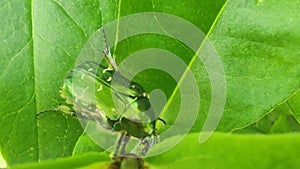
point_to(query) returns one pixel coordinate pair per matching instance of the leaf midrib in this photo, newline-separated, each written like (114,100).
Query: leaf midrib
(192,60)
(34,76)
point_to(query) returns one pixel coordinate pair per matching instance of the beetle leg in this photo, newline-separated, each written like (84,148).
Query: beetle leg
(62,108)
(45,111)
(124,143)
(147,143)
(162,120)
(119,144)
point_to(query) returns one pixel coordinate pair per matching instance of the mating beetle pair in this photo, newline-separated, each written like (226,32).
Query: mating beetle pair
(101,94)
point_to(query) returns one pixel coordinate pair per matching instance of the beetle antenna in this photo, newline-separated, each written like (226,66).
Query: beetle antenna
(47,110)
(107,53)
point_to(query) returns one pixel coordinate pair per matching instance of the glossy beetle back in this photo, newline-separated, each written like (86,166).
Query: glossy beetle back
(123,105)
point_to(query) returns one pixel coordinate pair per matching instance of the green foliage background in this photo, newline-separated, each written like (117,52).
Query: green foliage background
(257,40)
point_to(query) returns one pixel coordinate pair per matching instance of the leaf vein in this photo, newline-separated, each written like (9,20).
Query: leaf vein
(69,16)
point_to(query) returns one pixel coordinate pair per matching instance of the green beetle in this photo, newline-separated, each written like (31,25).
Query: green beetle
(101,94)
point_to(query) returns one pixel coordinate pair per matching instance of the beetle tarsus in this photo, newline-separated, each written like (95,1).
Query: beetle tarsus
(124,143)
(162,120)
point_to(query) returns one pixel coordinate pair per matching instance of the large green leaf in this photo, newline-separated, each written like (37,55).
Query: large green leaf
(257,42)
(18,99)
(81,161)
(40,41)
(220,152)
(232,151)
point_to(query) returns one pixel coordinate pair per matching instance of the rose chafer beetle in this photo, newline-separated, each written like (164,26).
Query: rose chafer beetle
(94,92)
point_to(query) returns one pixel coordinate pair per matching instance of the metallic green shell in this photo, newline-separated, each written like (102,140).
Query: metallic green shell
(121,106)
